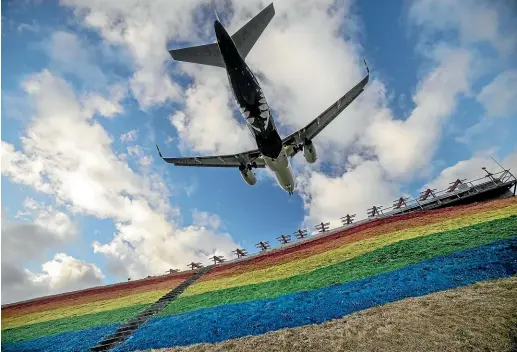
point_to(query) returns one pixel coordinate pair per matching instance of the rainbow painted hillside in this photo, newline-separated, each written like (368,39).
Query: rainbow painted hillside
(432,279)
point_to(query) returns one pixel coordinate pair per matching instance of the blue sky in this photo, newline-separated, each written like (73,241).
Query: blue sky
(79,75)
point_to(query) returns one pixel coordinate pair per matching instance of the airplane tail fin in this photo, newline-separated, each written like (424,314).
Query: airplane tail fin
(215,12)
(245,38)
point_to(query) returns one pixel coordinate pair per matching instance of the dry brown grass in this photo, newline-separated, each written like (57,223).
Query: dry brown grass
(480,317)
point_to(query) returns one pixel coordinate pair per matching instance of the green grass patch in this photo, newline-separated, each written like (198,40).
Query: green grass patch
(32,331)
(382,260)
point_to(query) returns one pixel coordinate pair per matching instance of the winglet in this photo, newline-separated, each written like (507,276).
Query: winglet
(367,69)
(159,153)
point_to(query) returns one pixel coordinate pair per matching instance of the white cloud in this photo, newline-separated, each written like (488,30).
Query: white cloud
(143,159)
(29,27)
(67,154)
(129,136)
(107,107)
(144,30)
(64,273)
(61,274)
(330,198)
(207,124)
(72,55)
(43,230)
(404,146)
(49,218)
(472,21)
(203,218)
(499,96)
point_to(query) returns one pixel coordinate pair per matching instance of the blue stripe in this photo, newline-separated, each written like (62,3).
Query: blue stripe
(226,322)
(73,341)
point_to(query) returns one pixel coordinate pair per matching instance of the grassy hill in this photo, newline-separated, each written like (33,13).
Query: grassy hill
(342,291)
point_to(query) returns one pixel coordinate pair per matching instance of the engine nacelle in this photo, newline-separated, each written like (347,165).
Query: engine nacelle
(309,152)
(248,175)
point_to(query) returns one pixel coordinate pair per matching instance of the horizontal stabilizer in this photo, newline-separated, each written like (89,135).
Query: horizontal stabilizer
(246,37)
(207,54)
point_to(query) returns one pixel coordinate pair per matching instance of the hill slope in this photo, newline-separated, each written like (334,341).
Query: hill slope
(328,278)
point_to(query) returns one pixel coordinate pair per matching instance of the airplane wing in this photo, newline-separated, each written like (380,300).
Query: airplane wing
(319,123)
(232,160)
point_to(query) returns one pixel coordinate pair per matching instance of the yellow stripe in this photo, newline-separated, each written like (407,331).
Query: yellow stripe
(83,309)
(346,252)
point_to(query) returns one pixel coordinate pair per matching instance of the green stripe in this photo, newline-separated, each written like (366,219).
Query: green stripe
(382,260)
(46,328)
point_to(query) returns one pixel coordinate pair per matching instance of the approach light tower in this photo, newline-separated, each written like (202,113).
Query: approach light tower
(263,245)
(284,239)
(300,233)
(194,265)
(348,219)
(217,259)
(240,252)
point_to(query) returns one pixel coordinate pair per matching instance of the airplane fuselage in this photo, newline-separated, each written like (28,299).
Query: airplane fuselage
(255,110)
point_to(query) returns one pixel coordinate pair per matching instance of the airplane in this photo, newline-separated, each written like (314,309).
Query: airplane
(272,151)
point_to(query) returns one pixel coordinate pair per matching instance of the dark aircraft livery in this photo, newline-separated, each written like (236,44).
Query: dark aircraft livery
(272,151)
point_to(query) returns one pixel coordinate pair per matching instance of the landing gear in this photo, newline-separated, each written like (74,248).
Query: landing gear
(243,167)
(299,147)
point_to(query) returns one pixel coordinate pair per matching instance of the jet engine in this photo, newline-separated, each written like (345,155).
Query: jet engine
(248,175)
(309,152)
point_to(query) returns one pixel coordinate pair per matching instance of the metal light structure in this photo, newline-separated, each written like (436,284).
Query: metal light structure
(428,192)
(348,219)
(263,245)
(398,203)
(455,184)
(194,265)
(170,271)
(489,174)
(284,239)
(323,226)
(374,211)
(217,259)
(300,233)
(240,252)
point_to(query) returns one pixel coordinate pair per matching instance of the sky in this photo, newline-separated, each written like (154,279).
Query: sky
(89,89)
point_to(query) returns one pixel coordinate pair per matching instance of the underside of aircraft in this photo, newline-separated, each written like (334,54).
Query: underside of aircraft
(272,151)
